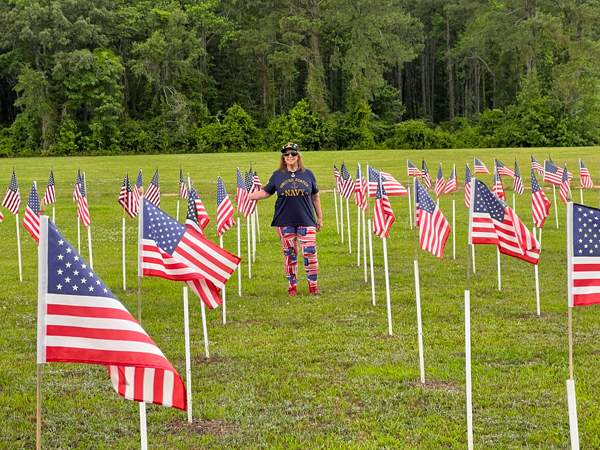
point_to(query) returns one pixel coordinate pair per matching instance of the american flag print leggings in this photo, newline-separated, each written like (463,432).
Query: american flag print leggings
(290,237)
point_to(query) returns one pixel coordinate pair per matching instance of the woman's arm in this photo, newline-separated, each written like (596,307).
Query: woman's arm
(259,195)
(316,200)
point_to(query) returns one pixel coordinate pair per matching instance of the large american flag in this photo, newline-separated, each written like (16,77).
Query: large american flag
(31,219)
(540,205)
(413,171)
(360,190)
(196,217)
(346,182)
(81,321)
(50,194)
(518,181)
(390,184)
(498,189)
(452,184)
(584,176)
(128,198)
(12,199)
(241,197)
(503,170)
(153,191)
(224,209)
(583,254)
(426,176)
(535,165)
(182,187)
(565,186)
(467,186)
(433,226)
(383,216)
(173,251)
(493,222)
(439,182)
(479,167)
(83,211)
(553,174)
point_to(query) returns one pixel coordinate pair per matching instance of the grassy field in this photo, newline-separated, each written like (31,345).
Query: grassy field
(308,372)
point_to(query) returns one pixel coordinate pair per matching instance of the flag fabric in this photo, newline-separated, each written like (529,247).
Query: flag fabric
(518,181)
(360,190)
(12,199)
(498,189)
(153,191)
(196,217)
(50,194)
(426,176)
(128,199)
(390,184)
(383,216)
(173,251)
(83,211)
(565,186)
(336,175)
(224,209)
(554,174)
(584,176)
(503,170)
(433,226)
(256,184)
(346,182)
(241,197)
(540,205)
(77,189)
(139,183)
(439,182)
(183,193)
(451,185)
(81,321)
(583,254)
(493,222)
(479,167)
(467,187)
(535,165)
(413,170)
(31,218)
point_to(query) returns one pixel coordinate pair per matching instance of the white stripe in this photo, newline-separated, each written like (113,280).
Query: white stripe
(103,344)
(166,270)
(148,387)
(168,384)
(85,300)
(114,377)
(586,275)
(211,252)
(94,323)
(129,382)
(586,260)
(586,290)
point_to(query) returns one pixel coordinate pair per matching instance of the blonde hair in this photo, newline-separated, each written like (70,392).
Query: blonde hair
(283,165)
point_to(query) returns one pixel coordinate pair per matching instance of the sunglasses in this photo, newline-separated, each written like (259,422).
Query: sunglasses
(290,154)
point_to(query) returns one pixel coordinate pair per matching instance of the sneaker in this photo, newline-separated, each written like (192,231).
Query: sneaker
(293,290)
(314,291)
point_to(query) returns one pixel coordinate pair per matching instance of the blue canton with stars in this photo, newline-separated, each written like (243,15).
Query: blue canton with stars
(192,211)
(535,187)
(424,201)
(467,175)
(68,272)
(586,231)
(488,202)
(34,200)
(162,228)
(221,193)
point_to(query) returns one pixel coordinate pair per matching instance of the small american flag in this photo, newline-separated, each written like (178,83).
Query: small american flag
(413,171)
(12,199)
(535,165)
(439,182)
(584,176)
(583,254)
(554,174)
(256,184)
(153,191)
(77,188)
(540,205)
(50,194)
(390,184)
(498,188)
(518,182)
(336,175)
(426,176)
(31,219)
(346,182)
(565,186)
(503,170)
(433,226)
(467,187)
(81,321)
(224,209)
(139,183)
(241,197)
(480,167)
(249,182)
(83,211)
(197,216)
(383,216)
(493,222)
(128,199)
(360,190)
(451,185)
(182,187)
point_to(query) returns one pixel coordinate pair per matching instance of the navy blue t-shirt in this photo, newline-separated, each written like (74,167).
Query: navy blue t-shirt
(294,205)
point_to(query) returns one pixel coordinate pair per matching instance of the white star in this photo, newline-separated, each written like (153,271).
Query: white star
(83,280)
(59,271)
(105,290)
(83,266)
(98,282)
(75,287)
(61,242)
(67,280)
(76,258)
(91,274)
(68,265)
(60,257)
(91,288)
(76,272)
(69,250)
(59,286)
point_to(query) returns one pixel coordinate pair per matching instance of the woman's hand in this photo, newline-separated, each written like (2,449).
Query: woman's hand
(319,226)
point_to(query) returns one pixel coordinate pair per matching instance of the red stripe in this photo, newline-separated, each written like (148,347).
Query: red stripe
(122,380)
(98,333)
(586,299)
(586,267)
(159,385)
(89,311)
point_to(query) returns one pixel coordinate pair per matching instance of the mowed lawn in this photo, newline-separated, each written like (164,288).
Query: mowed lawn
(312,372)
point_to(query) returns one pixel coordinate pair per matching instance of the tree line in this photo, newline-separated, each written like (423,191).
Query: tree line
(90,77)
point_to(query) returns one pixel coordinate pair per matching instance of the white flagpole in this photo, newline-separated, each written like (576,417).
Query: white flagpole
(143,427)
(53,220)
(537,283)
(257,222)
(540,236)
(581,194)
(387,286)
(124,276)
(177,216)
(337,220)
(453,227)
(204,329)
(555,205)
(78,236)
(89,230)
(19,248)
(364,238)
(342,218)
(358,237)
(188,359)
(239,254)
(223,289)
(473,255)
(410,208)
(253,222)
(574,431)
(418,296)
(468,369)
(514,209)
(249,248)
(499,275)
(348,220)
(573,426)
(371,260)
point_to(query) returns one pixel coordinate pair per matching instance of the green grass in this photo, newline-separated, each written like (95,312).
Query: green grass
(306,372)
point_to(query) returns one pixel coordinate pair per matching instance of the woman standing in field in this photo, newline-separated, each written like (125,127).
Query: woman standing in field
(294,218)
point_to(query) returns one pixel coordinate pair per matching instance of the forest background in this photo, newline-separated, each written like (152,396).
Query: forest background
(118,77)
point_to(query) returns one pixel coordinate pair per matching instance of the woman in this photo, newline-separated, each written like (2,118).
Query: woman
(297,196)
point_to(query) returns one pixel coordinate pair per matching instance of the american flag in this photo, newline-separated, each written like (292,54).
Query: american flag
(346,182)
(182,187)
(518,182)
(553,174)
(433,226)
(383,216)
(503,170)
(128,199)
(535,165)
(336,175)
(50,194)
(493,222)
(241,197)
(31,219)
(498,188)
(439,182)
(413,171)
(480,167)
(540,205)
(153,191)
(451,185)
(139,183)
(584,176)
(81,321)
(390,184)
(360,190)
(426,176)
(224,209)
(83,211)
(583,254)
(249,182)
(173,251)
(197,216)
(12,199)
(565,186)
(467,187)
(77,188)
(256,184)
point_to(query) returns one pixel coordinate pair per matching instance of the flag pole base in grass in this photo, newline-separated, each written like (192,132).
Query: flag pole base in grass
(188,358)
(143,427)
(38,444)
(387,286)
(349,233)
(342,219)
(204,330)
(468,370)
(371,260)
(249,248)
(223,297)
(358,238)
(253,222)
(573,426)
(537,282)
(19,248)
(419,322)
(239,254)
